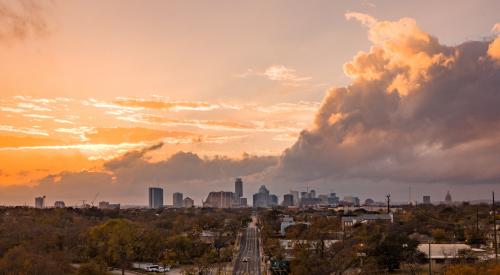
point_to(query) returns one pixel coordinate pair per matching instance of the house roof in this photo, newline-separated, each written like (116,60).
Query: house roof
(367,217)
(289,244)
(443,251)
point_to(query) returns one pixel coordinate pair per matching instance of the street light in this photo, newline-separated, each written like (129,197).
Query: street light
(361,254)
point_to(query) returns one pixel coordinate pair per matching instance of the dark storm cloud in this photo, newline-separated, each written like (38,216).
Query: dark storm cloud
(126,178)
(417,111)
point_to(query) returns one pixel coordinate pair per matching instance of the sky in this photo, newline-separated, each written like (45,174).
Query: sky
(355,97)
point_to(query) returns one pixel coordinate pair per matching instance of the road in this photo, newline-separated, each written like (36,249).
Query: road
(248,260)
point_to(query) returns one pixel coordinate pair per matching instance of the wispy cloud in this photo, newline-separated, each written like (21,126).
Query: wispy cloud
(369,4)
(278,73)
(34,107)
(163,104)
(11,110)
(496,28)
(282,73)
(203,124)
(63,121)
(38,116)
(23,130)
(364,18)
(286,107)
(78,131)
(117,135)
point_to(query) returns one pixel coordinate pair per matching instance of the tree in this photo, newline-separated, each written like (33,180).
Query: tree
(473,269)
(19,261)
(93,268)
(439,235)
(393,249)
(183,250)
(314,257)
(204,262)
(114,241)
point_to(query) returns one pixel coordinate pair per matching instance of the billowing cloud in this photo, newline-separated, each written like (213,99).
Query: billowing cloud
(494,49)
(496,28)
(127,178)
(183,166)
(416,112)
(399,48)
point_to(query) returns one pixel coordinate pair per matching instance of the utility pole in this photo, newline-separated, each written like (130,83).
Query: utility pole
(430,262)
(388,196)
(409,195)
(477,220)
(495,227)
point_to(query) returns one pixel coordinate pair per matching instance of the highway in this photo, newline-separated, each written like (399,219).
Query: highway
(248,260)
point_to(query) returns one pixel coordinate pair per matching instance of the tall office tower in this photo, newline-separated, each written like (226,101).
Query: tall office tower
(155,197)
(295,195)
(427,199)
(178,202)
(333,200)
(312,194)
(40,202)
(243,202)
(238,188)
(273,200)
(288,200)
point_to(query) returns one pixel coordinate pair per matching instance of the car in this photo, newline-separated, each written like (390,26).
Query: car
(153,268)
(164,269)
(245,259)
(157,268)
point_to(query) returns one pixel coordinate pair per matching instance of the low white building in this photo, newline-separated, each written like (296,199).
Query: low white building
(349,221)
(289,245)
(443,253)
(286,221)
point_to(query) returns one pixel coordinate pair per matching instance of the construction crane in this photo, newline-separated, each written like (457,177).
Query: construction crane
(95,197)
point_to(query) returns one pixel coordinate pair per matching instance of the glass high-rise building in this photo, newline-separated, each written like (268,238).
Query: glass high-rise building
(178,200)
(40,202)
(155,197)
(238,188)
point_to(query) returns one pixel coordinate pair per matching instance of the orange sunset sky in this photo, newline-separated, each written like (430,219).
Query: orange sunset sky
(350,96)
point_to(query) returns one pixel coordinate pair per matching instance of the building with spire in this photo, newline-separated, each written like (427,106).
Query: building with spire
(448,199)
(264,199)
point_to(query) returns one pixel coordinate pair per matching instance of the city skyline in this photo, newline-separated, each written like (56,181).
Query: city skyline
(358,98)
(157,198)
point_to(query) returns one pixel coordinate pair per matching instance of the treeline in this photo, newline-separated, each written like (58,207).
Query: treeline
(90,241)
(324,247)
